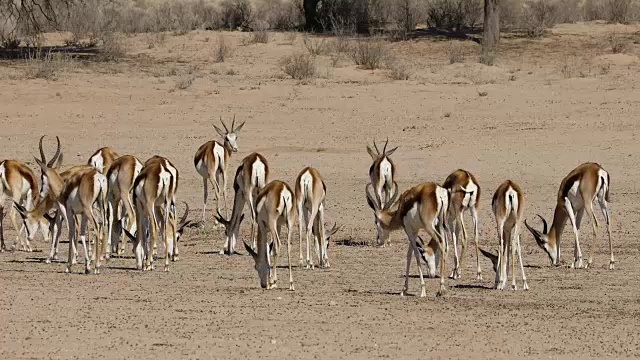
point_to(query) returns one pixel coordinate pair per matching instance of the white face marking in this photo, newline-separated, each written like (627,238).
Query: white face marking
(232,139)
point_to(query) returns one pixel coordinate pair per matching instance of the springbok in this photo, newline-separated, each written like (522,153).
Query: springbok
(310,199)
(77,196)
(382,173)
(212,161)
(508,207)
(102,159)
(274,208)
(577,192)
(182,224)
(151,190)
(121,175)
(422,207)
(18,183)
(172,216)
(251,176)
(465,195)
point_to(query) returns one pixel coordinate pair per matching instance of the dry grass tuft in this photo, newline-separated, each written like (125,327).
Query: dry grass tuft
(114,48)
(46,65)
(455,52)
(222,49)
(368,53)
(299,66)
(315,46)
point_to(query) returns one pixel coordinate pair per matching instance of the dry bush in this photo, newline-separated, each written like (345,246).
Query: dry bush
(568,11)
(406,14)
(455,52)
(619,45)
(259,37)
(620,11)
(46,65)
(291,37)
(454,14)
(510,14)
(222,49)
(184,80)
(155,39)
(236,13)
(279,14)
(315,45)
(539,15)
(299,66)
(368,53)
(113,48)
(398,69)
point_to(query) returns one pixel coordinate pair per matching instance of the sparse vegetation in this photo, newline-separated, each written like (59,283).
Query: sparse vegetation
(619,44)
(368,53)
(184,80)
(455,52)
(46,65)
(315,46)
(299,66)
(222,50)
(398,69)
(538,15)
(113,48)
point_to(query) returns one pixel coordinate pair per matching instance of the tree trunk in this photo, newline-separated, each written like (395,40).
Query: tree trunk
(311,15)
(491,31)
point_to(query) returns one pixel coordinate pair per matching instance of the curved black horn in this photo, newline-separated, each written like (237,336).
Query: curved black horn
(544,224)
(233,123)
(186,213)
(376,146)
(375,204)
(384,150)
(55,156)
(42,157)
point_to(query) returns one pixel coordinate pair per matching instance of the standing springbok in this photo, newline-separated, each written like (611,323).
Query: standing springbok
(172,216)
(102,159)
(18,183)
(151,190)
(121,175)
(212,161)
(274,208)
(577,192)
(251,176)
(310,200)
(465,195)
(422,207)
(508,208)
(382,173)
(78,195)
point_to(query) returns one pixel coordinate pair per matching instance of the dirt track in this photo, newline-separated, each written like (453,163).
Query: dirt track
(533,130)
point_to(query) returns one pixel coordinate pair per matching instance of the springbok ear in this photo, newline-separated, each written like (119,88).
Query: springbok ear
(239,127)
(249,250)
(59,161)
(49,218)
(540,240)
(372,153)
(388,153)
(220,131)
(492,257)
(43,166)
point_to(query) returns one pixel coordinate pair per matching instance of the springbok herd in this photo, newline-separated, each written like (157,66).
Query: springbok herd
(124,198)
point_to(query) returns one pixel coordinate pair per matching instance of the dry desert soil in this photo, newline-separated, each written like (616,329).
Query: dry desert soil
(545,107)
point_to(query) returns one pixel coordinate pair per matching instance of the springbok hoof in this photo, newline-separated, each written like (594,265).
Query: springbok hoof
(479,277)
(612,265)
(166,268)
(514,287)
(67,270)
(423,293)
(525,286)
(176,258)
(47,261)
(87,271)
(291,287)
(403,293)
(441,293)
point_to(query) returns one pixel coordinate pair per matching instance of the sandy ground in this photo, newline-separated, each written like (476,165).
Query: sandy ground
(550,105)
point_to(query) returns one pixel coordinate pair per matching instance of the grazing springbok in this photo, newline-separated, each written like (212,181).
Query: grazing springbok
(310,199)
(382,173)
(422,207)
(251,176)
(182,224)
(102,159)
(121,175)
(212,160)
(508,208)
(77,196)
(274,208)
(465,195)
(151,190)
(577,192)
(18,183)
